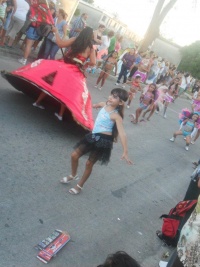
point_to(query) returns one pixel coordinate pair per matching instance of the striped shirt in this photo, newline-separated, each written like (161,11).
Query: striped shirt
(79,23)
(3,10)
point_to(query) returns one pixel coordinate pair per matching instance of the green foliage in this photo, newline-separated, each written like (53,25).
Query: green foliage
(89,1)
(191,59)
(77,12)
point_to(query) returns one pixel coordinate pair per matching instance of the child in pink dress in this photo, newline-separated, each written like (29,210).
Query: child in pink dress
(134,88)
(147,98)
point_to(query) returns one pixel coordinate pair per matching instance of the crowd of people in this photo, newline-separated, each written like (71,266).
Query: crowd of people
(158,82)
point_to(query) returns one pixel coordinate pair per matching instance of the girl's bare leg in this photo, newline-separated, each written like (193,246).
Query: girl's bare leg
(40,98)
(74,163)
(27,51)
(145,112)
(88,170)
(100,77)
(62,110)
(3,37)
(188,140)
(104,79)
(151,113)
(137,115)
(130,98)
(165,109)
(197,135)
(177,133)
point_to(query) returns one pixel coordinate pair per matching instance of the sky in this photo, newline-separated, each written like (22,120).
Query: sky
(181,25)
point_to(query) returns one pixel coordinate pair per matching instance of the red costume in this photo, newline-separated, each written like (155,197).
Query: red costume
(65,82)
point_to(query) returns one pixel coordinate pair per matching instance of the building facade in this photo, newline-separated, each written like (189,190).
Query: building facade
(98,16)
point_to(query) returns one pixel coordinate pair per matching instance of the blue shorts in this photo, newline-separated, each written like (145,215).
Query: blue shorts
(32,34)
(143,106)
(186,133)
(7,21)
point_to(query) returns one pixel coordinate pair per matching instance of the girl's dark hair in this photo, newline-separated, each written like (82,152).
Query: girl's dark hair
(110,54)
(195,113)
(176,86)
(102,26)
(123,96)
(63,13)
(110,33)
(154,91)
(120,259)
(83,41)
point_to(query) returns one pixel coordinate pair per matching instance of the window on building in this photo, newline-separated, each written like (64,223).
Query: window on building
(104,18)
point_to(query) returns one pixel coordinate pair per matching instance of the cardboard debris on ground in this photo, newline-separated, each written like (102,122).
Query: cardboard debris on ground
(50,246)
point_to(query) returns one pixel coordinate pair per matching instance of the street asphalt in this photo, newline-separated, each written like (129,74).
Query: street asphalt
(120,205)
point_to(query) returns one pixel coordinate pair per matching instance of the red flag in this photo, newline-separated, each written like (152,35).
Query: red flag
(40,12)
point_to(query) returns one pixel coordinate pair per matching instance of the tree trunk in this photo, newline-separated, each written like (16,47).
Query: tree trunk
(154,27)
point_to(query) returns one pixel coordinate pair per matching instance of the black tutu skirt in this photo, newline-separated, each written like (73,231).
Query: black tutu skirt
(98,145)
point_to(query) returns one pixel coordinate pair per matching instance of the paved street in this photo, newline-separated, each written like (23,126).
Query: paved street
(120,205)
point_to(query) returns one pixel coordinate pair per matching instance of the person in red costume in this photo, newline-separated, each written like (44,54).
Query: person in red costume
(63,80)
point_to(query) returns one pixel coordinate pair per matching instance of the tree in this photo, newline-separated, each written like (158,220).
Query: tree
(153,30)
(89,1)
(190,61)
(77,12)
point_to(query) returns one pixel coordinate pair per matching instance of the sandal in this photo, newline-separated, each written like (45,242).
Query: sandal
(74,191)
(66,180)
(134,122)
(132,116)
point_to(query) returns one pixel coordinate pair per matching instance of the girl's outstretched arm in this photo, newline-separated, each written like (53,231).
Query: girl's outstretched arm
(122,136)
(99,105)
(62,43)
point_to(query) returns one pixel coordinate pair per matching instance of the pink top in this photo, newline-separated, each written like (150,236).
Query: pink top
(117,46)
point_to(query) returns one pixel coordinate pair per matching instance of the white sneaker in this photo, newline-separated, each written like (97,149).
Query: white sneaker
(165,116)
(60,118)
(116,83)
(100,88)
(184,138)
(96,86)
(156,112)
(38,106)
(187,148)
(192,142)
(172,139)
(128,106)
(22,61)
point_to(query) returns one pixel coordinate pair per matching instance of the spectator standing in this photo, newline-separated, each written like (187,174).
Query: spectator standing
(98,34)
(118,43)
(10,11)
(51,48)
(196,87)
(161,71)
(153,73)
(3,7)
(103,48)
(32,34)
(113,41)
(184,83)
(17,21)
(128,63)
(138,59)
(144,66)
(78,25)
